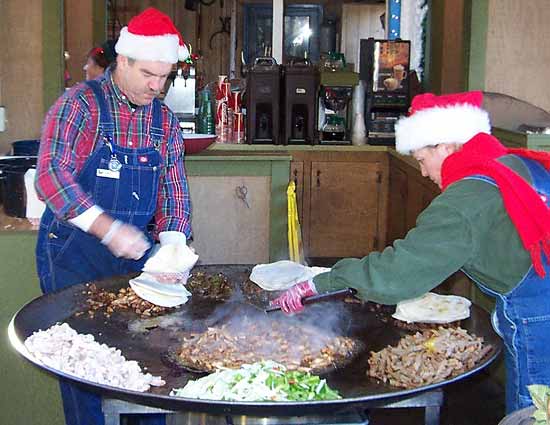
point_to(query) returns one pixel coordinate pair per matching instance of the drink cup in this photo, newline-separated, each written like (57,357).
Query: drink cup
(238,128)
(219,87)
(399,72)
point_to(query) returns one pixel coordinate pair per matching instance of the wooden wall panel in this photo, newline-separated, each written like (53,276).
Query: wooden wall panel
(447,58)
(21,70)
(452,73)
(518,57)
(78,37)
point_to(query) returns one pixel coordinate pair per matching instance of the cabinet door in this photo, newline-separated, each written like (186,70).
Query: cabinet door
(297,174)
(420,193)
(398,193)
(231,218)
(345,208)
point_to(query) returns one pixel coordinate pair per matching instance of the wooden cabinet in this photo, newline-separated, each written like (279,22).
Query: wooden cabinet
(297,174)
(239,207)
(344,209)
(343,202)
(409,195)
(223,207)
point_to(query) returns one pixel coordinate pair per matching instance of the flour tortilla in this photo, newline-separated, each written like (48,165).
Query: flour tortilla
(282,274)
(163,294)
(433,308)
(158,298)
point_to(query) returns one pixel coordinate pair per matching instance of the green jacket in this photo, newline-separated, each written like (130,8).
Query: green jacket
(464,227)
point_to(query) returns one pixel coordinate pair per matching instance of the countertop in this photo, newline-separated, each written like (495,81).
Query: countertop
(225,151)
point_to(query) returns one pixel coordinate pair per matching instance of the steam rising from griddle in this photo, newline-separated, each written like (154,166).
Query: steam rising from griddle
(240,333)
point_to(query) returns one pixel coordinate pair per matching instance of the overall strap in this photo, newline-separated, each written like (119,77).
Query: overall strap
(540,176)
(482,178)
(157,133)
(106,124)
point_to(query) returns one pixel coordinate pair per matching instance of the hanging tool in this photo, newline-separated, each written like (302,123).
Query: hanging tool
(226,29)
(241,192)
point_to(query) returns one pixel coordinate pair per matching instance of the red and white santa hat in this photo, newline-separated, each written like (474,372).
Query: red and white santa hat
(152,36)
(452,118)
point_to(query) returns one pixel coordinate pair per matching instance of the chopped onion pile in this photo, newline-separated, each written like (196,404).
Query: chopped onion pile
(261,381)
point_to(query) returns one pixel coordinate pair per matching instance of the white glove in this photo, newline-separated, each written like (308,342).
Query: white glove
(173,261)
(125,240)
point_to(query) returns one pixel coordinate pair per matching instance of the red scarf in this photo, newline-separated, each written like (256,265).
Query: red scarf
(524,205)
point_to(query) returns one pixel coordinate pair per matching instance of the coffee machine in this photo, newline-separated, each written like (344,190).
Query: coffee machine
(263,102)
(384,65)
(334,106)
(180,97)
(300,85)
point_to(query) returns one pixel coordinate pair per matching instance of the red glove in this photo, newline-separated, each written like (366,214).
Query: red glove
(291,300)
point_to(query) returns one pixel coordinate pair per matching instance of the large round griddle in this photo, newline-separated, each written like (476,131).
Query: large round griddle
(146,340)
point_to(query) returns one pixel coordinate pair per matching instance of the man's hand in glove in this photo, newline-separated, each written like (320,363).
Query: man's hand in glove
(291,300)
(125,240)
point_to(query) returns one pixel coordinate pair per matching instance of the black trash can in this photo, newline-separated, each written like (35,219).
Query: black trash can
(25,147)
(12,181)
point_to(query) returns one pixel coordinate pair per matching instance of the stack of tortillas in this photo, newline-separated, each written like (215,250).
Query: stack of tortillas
(433,308)
(171,258)
(282,274)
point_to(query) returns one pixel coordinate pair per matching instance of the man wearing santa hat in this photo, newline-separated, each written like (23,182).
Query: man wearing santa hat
(491,221)
(111,162)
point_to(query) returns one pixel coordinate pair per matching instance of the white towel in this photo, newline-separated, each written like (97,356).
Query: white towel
(35,207)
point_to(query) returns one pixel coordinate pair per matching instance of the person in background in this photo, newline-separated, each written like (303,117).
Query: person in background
(111,161)
(96,63)
(492,221)
(98,59)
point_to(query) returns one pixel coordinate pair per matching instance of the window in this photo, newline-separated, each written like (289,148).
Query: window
(300,36)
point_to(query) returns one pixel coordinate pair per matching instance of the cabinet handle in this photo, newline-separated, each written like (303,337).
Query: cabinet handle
(318,178)
(296,177)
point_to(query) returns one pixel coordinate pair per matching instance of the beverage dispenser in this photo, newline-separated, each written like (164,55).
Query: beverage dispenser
(334,105)
(263,102)
(180,97)
(300,85)
(384,66)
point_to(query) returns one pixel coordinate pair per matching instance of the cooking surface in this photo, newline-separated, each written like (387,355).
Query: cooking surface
(147,341)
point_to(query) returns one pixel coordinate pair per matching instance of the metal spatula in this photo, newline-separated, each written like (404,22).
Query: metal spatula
(327,296)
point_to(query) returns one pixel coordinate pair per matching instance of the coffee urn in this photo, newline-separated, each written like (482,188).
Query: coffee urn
(263,102)
(300,87)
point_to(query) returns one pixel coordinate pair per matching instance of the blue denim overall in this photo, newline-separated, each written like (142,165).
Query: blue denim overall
(65,255)
(522,317)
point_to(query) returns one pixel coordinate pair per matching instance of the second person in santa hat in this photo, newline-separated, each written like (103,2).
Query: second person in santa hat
(491,221)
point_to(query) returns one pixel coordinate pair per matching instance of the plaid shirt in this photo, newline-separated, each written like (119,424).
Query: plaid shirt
(70,133)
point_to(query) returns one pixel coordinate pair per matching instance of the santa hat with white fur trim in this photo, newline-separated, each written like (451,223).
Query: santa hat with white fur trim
(152,36)
(452,118)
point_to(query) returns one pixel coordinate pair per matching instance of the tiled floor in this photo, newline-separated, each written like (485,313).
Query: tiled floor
(474,401)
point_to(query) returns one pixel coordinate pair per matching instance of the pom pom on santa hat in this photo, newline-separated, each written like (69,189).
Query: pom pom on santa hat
(452,118)
(152,36)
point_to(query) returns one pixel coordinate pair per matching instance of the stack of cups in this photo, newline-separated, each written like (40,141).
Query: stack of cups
(229,118)
(236,117)
(223,129)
